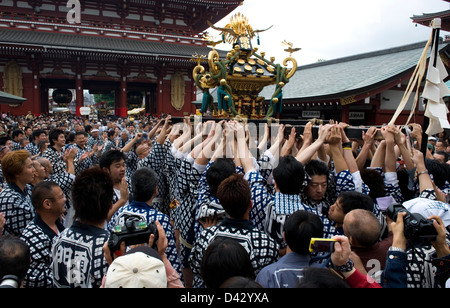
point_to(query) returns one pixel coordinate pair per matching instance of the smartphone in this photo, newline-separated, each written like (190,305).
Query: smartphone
(321,244)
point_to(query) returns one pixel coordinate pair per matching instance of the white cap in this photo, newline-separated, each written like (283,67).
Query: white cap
(137,270)
(427,207)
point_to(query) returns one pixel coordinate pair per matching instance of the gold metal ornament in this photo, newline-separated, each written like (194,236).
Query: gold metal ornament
(243,74)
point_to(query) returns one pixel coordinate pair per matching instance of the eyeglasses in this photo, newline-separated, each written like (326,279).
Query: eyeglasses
(57,198)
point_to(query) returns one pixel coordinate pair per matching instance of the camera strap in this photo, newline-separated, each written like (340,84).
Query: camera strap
(322,260)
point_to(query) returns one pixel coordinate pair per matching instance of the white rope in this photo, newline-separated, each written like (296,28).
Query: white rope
(415,81)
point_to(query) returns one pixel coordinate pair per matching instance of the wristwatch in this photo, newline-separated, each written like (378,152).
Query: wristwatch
(347,267)
(396,249)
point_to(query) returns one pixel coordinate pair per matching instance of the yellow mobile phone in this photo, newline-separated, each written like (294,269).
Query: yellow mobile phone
(321,244)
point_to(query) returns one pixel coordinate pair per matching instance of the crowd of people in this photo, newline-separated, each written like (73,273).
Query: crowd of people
(221,205)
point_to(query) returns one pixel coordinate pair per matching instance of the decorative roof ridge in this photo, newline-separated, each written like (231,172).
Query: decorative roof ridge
(426,16)
(101,29)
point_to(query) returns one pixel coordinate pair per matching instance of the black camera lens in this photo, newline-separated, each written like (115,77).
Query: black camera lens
(416,227)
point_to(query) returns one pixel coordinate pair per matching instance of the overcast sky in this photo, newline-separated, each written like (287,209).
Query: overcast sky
(330,29)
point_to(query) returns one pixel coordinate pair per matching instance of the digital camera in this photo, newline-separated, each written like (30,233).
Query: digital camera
(134,231)
(417,227)
(322,245)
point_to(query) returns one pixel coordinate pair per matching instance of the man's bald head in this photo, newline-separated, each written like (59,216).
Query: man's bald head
(362,227)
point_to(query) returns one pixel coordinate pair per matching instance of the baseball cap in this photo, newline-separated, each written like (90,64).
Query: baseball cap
(141,267)
(94,130)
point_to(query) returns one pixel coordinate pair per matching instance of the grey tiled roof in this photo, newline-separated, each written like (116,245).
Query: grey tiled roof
(86,43)
(6,98)
(350,75)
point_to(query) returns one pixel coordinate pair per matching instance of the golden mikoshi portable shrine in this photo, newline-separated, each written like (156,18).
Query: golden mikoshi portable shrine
(242,75)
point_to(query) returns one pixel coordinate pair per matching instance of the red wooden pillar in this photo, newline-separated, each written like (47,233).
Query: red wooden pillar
(193,98)
(160,97)
(161,72)
(78,66)
(35,65)
(79,96)
(36,94)
(345,113)
(44,105)
(121,109)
